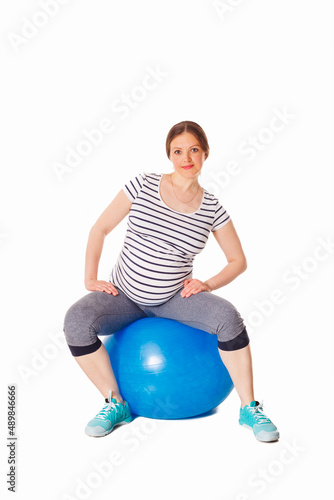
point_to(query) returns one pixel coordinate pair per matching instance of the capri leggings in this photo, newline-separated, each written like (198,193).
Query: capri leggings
(101,313)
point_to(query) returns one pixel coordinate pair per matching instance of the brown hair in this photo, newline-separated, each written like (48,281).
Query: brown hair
(191,128)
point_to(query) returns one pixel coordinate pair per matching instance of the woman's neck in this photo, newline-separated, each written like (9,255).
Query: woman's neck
(183,184)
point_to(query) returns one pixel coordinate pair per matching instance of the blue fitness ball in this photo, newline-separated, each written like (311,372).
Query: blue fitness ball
(168,370)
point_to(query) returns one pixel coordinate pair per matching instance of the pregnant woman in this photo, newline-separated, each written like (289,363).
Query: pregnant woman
(170,217)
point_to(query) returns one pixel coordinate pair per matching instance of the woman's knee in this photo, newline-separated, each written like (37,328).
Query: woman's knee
(229,318)
(238,342)
(70,319)
(231,332)
(77,322)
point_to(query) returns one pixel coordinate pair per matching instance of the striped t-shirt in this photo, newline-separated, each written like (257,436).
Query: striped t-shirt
(160,243)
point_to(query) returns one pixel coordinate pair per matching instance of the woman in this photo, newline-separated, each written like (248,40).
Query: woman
(170,219)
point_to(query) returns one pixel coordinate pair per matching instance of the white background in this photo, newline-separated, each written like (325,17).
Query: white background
(228,69)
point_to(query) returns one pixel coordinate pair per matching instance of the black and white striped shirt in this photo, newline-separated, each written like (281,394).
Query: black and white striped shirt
(160,243)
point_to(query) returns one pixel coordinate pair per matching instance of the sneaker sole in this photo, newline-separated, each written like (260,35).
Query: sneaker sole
(126,421)
(269,440)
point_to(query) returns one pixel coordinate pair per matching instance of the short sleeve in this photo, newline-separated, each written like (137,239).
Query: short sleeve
(133,186)
(221,217)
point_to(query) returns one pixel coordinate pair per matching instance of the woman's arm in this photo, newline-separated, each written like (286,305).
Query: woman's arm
(229,242)
(108,220)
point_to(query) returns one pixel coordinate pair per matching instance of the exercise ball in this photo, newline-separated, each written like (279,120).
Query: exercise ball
(168,370)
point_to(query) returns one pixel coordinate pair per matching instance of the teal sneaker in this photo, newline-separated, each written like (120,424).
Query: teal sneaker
(111,415)
(252,418)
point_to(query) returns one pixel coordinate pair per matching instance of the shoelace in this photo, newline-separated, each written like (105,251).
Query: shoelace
(260,418)
(106,409)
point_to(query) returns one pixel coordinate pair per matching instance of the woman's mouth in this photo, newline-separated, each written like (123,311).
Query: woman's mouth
(186,167)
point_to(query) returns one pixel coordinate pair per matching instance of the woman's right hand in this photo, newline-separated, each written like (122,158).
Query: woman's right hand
(101,286)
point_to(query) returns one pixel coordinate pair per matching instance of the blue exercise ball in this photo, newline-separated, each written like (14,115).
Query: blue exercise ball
(168,370)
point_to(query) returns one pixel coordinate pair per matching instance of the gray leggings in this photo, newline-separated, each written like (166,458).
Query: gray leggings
(101,313)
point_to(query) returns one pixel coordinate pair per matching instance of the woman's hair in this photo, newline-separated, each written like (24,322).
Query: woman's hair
(191,128)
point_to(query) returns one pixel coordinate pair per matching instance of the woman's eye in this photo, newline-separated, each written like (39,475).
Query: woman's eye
(177,151)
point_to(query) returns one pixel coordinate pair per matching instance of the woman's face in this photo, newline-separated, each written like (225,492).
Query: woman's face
(187,155)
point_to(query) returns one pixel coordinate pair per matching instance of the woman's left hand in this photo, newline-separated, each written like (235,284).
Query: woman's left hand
(191,287)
